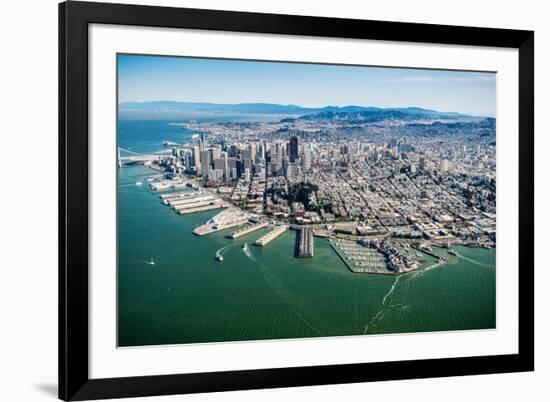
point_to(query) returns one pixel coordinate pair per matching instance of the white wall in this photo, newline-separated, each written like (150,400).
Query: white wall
(28,213)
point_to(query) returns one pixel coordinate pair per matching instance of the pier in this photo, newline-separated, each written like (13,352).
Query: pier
(304,243)
(227,219)
(181,195)
(193,205)
(272,235)
(247,229)
(177,203)
(201,209)
(168,184)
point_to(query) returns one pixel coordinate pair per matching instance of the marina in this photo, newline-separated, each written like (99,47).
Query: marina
(360,259)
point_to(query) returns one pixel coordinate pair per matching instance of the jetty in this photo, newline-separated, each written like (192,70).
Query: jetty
(227,219)
(247,229)
(201,209)
(182,203)
(168,184)
(180,195)
(304,243)
(272,235)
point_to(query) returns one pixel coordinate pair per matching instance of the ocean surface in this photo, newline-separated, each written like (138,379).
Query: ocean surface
(265,293)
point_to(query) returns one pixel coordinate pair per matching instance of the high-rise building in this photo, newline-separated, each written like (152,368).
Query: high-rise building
(306,161)
(202,142)
(443,166)
(253,152)
(196,158)
(293,149)
(205,162)
(422,163)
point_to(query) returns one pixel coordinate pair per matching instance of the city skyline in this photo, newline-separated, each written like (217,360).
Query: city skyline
(162,78)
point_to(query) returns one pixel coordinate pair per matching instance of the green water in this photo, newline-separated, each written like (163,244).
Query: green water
(189,297)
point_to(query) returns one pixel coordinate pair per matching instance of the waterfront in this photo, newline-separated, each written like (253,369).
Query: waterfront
(264,292)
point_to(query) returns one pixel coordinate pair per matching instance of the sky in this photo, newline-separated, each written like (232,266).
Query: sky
(159,78)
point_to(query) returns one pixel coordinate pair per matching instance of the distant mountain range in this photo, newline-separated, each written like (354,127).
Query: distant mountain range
(251,108)
(344,114)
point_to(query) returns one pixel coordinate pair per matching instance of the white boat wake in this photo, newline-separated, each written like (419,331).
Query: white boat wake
(481,264)
(248,253)
(280,290)
(150,262)
(380,314)
(220,252)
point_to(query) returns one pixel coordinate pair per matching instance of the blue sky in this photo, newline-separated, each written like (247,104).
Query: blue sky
(154,78)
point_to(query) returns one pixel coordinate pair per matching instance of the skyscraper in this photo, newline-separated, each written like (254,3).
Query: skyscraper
(205,163)
(293,149)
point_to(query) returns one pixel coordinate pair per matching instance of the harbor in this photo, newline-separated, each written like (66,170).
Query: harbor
(358,258)
(250,290)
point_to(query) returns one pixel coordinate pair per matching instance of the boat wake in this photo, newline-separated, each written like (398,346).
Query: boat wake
(380,314)
(279,288)
(248,253)
(220,252)
(422,271)
(481,264)
(150,262)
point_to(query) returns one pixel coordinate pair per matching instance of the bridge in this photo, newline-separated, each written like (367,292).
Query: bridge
(133,157)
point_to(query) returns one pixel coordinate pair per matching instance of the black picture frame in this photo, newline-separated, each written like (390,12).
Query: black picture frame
(74,18)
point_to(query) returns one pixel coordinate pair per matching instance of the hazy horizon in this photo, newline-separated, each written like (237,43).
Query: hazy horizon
(220,81)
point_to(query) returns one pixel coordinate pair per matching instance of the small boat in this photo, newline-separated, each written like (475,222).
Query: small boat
(452,252)
(219,257)
(139,183)
(245,246)
(152,262)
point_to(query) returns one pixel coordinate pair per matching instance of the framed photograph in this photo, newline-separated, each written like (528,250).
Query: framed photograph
(257,201)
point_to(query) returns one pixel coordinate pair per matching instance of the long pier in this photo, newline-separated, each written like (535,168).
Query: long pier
(224,220)
(269,237)
(247,229)
(182,203)
(201,209)
(304,243)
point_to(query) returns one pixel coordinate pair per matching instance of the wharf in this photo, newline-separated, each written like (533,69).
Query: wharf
(247,229)
(304,243)
(201,209)
(429,253)
(272,235)
(178,203)
(196,204)
(227,219)
(168,185)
